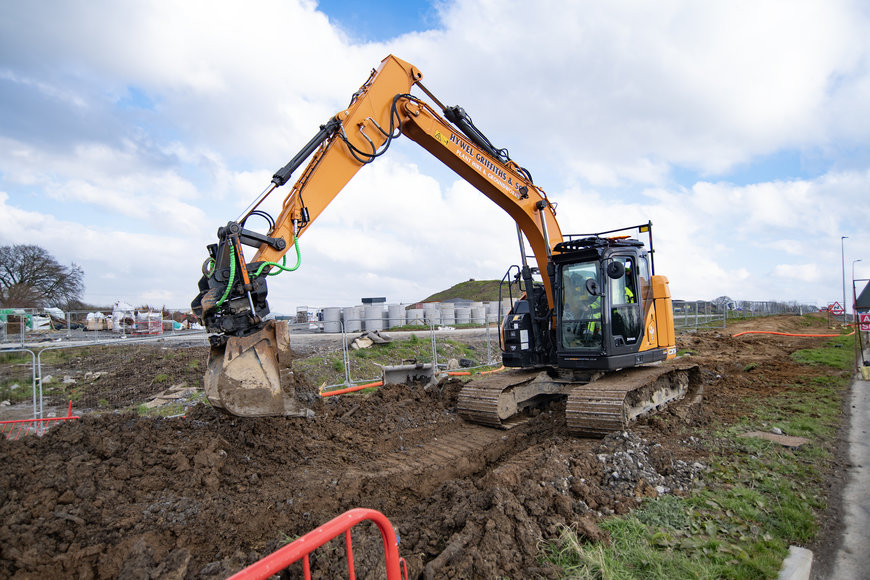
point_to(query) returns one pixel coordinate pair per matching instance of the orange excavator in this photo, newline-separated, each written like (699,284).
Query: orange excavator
(592,322)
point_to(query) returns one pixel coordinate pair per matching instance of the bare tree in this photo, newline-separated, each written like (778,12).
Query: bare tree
(30,277)
(724,303)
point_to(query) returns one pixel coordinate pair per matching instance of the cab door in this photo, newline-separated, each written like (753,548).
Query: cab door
(626,320)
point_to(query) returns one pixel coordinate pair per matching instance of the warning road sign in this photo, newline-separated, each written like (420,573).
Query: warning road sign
(864,318)
(836,308)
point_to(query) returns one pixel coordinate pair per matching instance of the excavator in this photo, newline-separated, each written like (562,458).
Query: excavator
(592,322)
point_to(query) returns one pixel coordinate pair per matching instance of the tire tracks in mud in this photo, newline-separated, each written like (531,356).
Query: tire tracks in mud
(467,451)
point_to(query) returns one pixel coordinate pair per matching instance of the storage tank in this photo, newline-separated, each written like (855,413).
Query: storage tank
(352,318)
(396,315)
(374,317)
(415,316)
(448,314)
(332,319)
(432,313)
(462,314)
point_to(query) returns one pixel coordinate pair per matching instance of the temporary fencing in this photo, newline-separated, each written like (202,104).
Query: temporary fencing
(427,352)
(22,427)
(22,325)
(55,376)
(300,549)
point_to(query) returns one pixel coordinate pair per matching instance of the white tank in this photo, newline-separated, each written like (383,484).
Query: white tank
(462,315)
(415,315)
(478,313)
(492,311)
(332,319)
(396,315)
(351,317)
(432,312)
(374,315)
(448,314)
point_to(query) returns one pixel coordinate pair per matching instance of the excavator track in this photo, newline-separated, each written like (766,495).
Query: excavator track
(598,404)
(612,402)
(497,399)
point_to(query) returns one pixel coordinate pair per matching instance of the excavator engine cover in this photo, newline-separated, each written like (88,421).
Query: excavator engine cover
(249,375)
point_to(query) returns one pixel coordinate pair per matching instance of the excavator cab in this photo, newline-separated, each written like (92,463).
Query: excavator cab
(608,309)
(602,300)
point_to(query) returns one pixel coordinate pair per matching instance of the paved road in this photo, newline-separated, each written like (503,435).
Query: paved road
(853,559)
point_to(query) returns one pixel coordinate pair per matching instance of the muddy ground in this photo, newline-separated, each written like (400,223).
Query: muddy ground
(113,495)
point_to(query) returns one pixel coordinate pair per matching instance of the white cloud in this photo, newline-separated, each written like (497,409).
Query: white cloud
(605,103)
(802,272)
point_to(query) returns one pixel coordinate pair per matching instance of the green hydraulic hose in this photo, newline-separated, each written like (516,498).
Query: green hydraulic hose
(232,276)
(282,267)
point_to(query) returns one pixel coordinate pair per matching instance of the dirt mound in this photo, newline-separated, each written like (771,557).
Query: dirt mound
(116,495)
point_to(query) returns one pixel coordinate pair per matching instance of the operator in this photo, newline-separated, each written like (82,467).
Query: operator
(580,305)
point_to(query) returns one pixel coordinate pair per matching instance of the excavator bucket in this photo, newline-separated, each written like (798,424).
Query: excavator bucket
(249,375)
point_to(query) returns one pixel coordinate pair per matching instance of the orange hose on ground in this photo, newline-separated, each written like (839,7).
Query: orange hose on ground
(501,368)
(458,373)
(789,334)
(352,389)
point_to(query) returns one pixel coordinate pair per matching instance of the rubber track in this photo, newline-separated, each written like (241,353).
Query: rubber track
(601,407)
(478,401)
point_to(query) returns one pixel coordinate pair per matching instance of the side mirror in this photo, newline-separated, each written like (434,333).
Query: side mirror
(592,287)
(615,270)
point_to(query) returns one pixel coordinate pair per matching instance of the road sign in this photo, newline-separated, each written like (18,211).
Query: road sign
(836,308)
(864,318)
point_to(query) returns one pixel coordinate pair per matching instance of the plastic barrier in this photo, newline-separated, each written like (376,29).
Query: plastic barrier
(23,427)
(301,548)
(790,334)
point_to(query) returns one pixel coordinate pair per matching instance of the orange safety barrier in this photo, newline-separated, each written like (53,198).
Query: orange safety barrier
(27,426)
(301,548)
(352,389)
(790,334)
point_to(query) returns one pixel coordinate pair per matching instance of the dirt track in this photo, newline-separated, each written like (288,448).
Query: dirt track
(115,495)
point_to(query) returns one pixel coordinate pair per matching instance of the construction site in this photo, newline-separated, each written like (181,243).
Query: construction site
(114,494)
(523,435)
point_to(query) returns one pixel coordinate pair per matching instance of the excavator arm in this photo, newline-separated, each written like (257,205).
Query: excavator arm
(244,375)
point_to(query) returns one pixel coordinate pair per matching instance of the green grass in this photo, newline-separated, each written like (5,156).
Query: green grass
(476,290)
(759,497)
(838,353)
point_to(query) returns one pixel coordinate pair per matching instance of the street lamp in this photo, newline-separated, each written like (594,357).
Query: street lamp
(854,297)
(853,269)
(843,258)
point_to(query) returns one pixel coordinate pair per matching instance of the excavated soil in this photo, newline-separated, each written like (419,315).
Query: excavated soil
(113,495)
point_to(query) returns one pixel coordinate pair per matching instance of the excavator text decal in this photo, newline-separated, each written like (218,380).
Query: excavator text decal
(482,165)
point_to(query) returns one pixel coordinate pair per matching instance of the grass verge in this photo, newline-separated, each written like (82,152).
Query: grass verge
(758,498)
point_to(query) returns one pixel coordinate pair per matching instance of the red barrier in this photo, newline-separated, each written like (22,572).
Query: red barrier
(301,548)
(27,426)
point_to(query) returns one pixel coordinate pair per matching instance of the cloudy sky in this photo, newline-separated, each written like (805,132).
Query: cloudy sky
(129,131)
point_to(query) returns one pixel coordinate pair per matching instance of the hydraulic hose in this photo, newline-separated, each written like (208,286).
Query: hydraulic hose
(232,276)
(283,267)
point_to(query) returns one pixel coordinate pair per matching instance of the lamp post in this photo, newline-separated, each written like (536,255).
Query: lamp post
(853,269)
(843,258)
